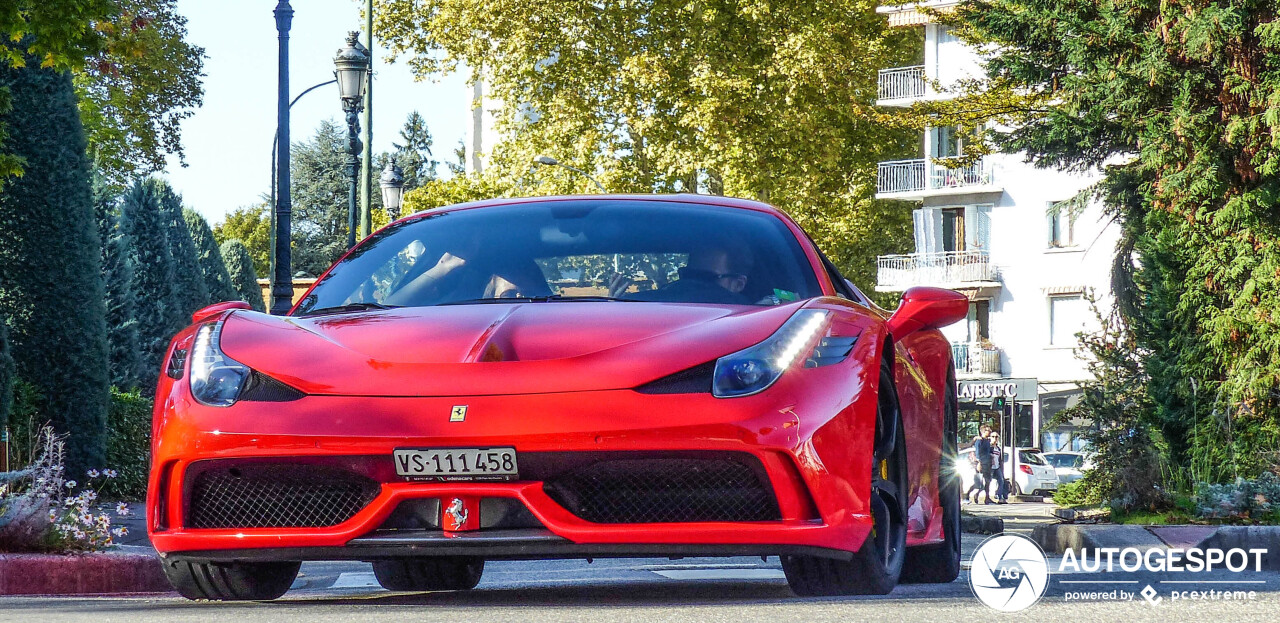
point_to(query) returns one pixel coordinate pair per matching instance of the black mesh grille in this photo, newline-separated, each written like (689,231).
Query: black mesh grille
(262,388)
(654,490)
(695,380)
(276,496)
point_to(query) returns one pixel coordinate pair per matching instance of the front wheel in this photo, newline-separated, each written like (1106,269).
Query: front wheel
(877,565)
(231,581)
(939,563)
(444,573)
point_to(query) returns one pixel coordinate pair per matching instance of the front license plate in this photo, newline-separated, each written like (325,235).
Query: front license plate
(445,464)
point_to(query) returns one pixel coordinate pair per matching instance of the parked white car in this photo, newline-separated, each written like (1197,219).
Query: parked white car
(1035,475)
(1069,465)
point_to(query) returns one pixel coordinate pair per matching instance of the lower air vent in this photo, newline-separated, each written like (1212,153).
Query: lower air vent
(275,495)
(732,487)
(262,388)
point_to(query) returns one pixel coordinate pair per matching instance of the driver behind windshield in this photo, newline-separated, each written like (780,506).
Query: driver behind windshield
(716,273)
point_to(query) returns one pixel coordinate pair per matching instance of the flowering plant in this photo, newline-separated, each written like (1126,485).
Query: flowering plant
(42,510)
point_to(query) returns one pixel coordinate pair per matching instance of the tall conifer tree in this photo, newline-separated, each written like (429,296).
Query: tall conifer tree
(209,257)
(50,259)
(153,280)
(240,267)
(117,279)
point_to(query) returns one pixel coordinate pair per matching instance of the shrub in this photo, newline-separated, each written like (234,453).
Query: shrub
(1245,500)
(128,438)
(128,445)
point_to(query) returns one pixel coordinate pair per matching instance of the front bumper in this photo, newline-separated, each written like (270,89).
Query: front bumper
(820,512)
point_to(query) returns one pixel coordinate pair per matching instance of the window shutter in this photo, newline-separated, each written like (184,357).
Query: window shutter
(978,227)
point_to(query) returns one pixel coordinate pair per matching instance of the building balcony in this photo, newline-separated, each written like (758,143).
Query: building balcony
(975,360)
(901,86)
(958,270)
(914,180)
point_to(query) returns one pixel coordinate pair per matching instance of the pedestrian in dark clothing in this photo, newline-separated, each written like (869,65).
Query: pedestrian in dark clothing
(971,495)
(983,449)
(997,463)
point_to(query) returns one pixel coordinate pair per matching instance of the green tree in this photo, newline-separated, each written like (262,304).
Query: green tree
(1176,102)
(251,225)
(117,279)
(153,284)
(136,92)
(50,257)
(413,152)
(189,292)
(212,268)
(136,76)
(240,267)
(771,101)
(320,187)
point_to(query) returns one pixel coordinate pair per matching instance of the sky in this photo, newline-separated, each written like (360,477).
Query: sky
(228,140)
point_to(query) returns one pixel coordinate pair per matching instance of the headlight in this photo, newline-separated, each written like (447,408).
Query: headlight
(753,370)
(216,379)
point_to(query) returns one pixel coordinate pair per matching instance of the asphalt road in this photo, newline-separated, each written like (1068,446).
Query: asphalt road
(703,589)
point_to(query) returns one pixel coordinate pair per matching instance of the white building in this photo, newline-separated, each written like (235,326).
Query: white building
(986,230)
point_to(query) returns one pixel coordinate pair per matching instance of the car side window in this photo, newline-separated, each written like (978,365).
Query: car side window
(838,281)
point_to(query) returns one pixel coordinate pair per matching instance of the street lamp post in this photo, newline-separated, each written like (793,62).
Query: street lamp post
(392,182)
(351,67)
(282,276)
(552,162)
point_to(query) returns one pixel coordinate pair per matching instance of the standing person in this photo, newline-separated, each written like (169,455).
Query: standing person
(971,495)
(997,462)
(982,449)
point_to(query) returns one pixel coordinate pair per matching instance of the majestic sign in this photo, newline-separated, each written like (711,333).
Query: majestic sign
(986,389)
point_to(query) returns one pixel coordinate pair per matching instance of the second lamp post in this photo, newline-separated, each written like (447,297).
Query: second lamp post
(351,68)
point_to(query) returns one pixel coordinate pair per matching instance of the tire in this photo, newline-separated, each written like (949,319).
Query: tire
(877,565)
(443,573)
(939,563)
(230,581)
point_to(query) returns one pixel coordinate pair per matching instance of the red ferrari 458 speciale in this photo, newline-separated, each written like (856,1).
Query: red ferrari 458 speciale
(564,377)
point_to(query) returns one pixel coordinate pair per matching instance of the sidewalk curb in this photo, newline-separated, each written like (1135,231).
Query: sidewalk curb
(78,574)
(1058,538)
(981,525)
(1246,538)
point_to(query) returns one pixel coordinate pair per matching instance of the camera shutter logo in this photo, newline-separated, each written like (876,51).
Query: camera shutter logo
(1009,572)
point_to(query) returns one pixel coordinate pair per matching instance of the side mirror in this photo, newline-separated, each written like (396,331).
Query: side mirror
(217,308)
(927,308)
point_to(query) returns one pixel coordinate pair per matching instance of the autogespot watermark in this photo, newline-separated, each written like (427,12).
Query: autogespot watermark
(1159,560)
(1010,572)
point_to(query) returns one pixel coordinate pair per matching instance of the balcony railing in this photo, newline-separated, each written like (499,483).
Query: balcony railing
(904,176)
(901,83)
(947,268)
(975,358)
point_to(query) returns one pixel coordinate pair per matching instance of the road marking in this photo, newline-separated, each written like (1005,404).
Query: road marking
(356,579)
(722,574)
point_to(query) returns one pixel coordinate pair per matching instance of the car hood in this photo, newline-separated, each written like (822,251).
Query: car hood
(461,350)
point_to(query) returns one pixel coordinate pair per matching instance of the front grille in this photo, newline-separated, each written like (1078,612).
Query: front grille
(276,495)
(728,487)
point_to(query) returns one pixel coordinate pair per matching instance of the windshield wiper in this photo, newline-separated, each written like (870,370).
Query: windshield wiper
(351,307)
(536,299)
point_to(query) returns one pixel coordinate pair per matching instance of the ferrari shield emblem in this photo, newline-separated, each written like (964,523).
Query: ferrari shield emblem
(459,413)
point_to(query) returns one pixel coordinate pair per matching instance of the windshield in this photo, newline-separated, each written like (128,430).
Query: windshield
(573,250)
(1030,456)
(1065,460)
